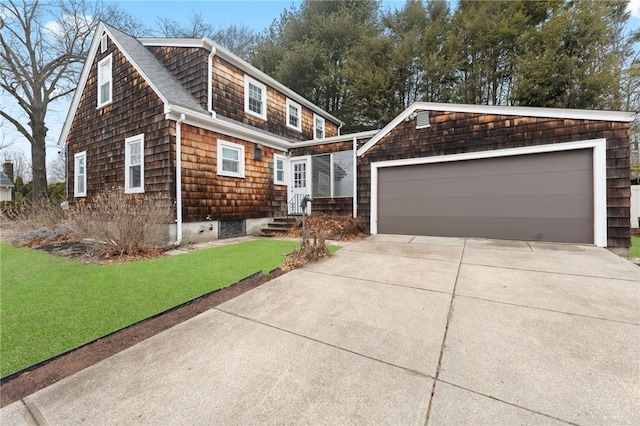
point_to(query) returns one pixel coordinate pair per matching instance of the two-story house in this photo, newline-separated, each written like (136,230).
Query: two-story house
(233,148)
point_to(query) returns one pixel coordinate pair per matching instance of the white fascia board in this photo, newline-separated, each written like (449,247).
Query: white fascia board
(599,176)
(86,68)
(574,114)
(333,139)
(243,65)
(85,74)
(226,128)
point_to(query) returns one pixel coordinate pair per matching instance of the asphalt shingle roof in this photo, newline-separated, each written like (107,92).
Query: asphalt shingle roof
(157,75)
(5,181)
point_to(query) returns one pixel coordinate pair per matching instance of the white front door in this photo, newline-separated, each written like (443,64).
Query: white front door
(299,185)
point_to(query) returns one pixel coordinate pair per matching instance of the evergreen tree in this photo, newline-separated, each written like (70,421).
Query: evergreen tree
(570,60)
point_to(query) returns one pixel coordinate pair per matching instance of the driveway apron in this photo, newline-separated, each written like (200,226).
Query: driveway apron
(391,330)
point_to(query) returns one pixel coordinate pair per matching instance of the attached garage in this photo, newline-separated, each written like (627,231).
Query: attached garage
(499,172)
(545,196)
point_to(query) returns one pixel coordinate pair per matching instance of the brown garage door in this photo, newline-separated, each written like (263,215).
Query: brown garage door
(547,197)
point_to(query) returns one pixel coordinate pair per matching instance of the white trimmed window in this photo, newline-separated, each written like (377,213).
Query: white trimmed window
(294,115)
(104,81)
(318,127)
(255,97)
(80,174)
(230,159)
(134,164)
(279,169)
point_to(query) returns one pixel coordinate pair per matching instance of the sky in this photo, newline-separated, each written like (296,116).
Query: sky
(255,14)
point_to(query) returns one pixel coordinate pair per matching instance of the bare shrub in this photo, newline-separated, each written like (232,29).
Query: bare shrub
(309,251)
(39,222)
(38,214)
(341,228)
(119,224)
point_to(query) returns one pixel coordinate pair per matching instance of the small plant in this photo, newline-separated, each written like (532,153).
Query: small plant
(119,224)
(334,227)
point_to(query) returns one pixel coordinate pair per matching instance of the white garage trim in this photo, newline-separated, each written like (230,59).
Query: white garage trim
(599,176)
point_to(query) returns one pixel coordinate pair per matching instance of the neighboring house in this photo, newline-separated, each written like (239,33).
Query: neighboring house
(6,182)
(249,148)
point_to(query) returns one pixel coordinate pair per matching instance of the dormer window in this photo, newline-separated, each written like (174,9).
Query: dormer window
(294,113)
(255,98)
(104,81)
(318,127)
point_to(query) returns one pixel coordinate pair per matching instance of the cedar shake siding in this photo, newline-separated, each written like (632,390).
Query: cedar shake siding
(206,194)
(101,132)
(463,132)
(228,101)
(189,66)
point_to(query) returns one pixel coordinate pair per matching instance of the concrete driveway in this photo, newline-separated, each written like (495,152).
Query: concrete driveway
(391,330)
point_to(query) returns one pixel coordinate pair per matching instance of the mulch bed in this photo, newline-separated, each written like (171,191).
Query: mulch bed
(14,388)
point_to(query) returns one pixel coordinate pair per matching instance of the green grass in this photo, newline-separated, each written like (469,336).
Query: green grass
(634,251)
(49,304)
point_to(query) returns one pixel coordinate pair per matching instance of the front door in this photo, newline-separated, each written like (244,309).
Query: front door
(298,189)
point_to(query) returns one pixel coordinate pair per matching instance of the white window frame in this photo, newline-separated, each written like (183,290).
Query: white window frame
(317,117)
(236,147)
(276,159)
(250,81)
(104,64)
(103,43)
(127,164)
(296,105)
(76,160)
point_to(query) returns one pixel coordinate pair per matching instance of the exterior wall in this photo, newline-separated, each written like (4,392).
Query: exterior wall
(228,101)
(6,193)
(188,66)
(635,206)
(456,132)
(205,194)
(101,132)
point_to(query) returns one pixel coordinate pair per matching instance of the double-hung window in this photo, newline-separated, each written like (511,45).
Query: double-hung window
(318,127)
(294,115)
(105,81)
(134,164)
(255,98)
(230,159)
(80,174)
(279,169)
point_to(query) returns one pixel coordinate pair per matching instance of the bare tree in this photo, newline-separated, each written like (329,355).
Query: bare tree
(21,164)
(238,39)
(57,168)
(43,46)
(196,28)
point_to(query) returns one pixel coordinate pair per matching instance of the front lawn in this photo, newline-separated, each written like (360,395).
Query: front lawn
(634,251)
(49,304)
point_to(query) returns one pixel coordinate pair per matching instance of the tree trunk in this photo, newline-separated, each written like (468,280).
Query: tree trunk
(38,158)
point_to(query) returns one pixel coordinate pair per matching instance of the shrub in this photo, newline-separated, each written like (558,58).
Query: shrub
(308,251)
(115,223)
(37,222)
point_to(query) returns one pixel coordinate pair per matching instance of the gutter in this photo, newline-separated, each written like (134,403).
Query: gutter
(179,180)
(355,177)
(210,78)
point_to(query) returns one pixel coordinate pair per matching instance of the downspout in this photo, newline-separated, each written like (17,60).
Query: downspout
(355,177)
(209,81)
(179,180)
